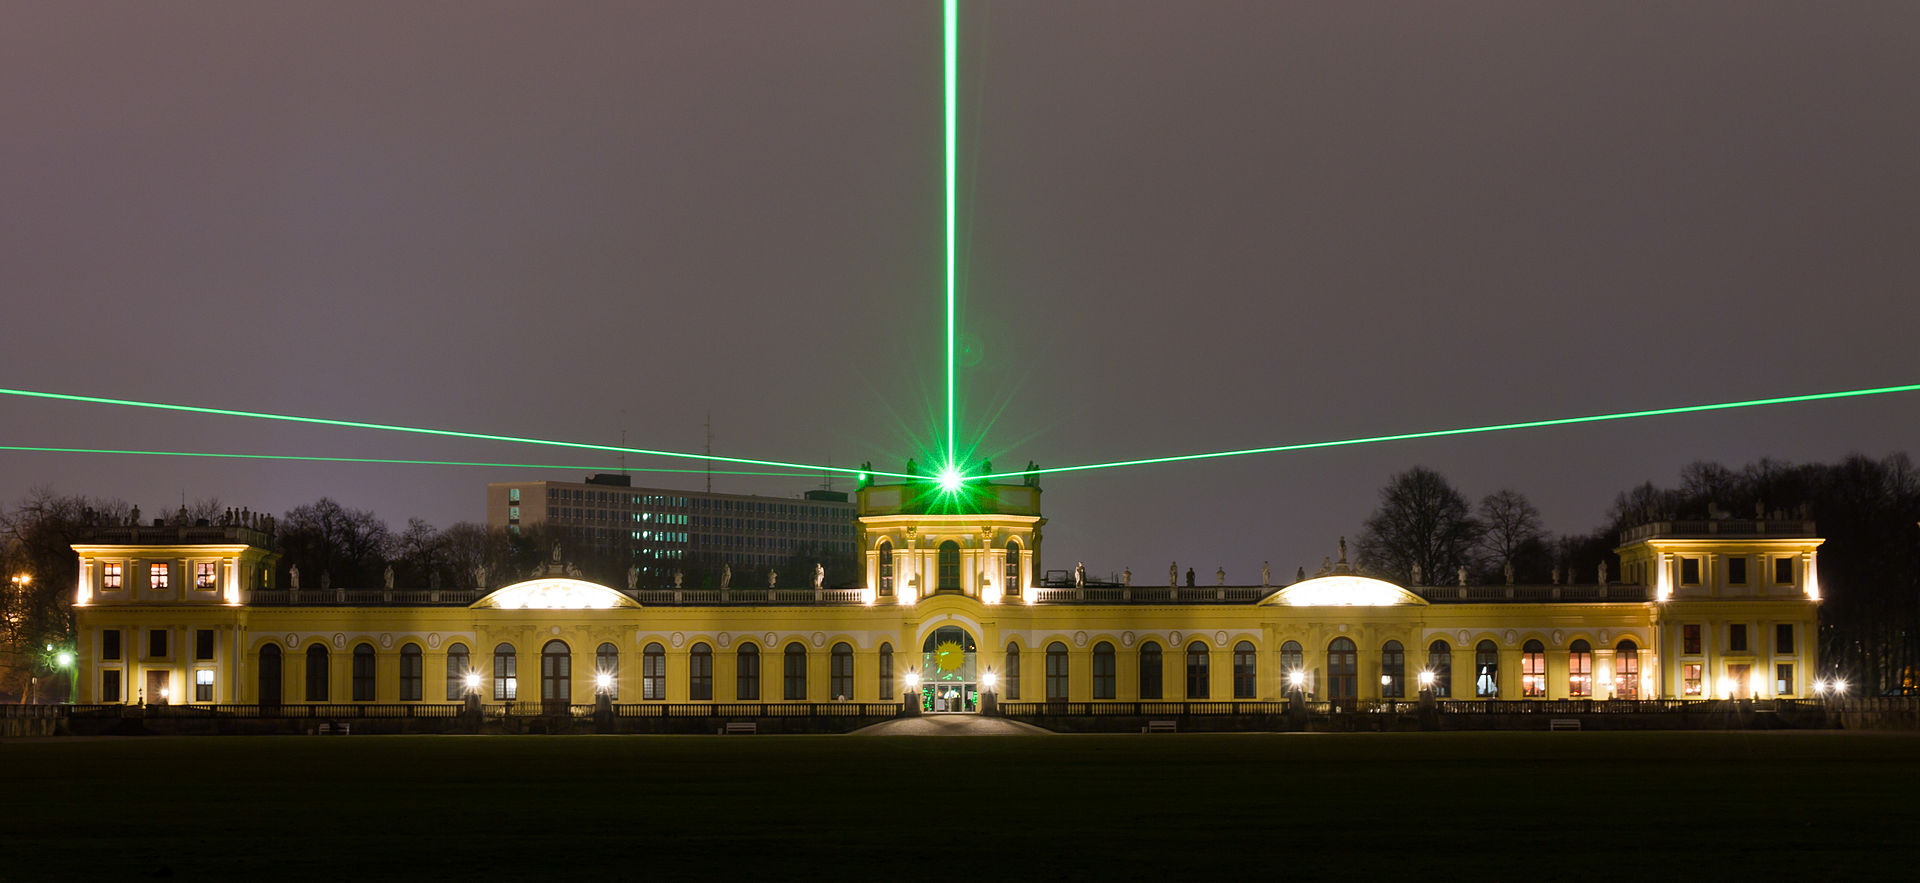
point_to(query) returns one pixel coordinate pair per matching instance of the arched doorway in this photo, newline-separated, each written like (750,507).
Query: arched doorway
(556,677)
(949,680)
(270,675)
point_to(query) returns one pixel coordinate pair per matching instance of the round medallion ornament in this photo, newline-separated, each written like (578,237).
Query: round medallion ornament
(1079,639)
(676,639)
(1463,637)
(433,640)
(293,640)
(1343,627)
(386,640)
(1512,636)
(1126,639)
(1559,637)
(1220,639)
(725,638)
(339,641)
(1173,638)
(819,639)
(770,639)
(555,630)
(1603,636)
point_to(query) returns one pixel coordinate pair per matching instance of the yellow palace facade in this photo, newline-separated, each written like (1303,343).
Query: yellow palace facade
(950,611)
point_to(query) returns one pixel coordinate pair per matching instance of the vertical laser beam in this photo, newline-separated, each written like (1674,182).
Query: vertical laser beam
(953,64)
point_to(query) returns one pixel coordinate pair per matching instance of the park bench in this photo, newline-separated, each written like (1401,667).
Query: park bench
(740,728)
(1161,727)
(1564,723)
(335,729)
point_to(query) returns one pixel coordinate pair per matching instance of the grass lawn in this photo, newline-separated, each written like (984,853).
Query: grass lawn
(1500,806)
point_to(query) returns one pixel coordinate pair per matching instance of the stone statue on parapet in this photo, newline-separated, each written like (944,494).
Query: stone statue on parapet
(773,576)
(1080,575)
(1508,570)
(293,577)
(678,577)
(633,578)
(387,577)
(1126,576)
(1416,573)
(480,576)
(1462,574)
(1173,574)
(1603,573)
(1556,574)
(556,551)
(726,575)
(1220,575)
(1266,574)
(819,574)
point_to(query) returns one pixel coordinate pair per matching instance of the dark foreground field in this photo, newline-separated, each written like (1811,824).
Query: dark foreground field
(1500,806)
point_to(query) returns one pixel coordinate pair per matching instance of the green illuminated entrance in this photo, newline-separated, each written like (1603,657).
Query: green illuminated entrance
(948,684)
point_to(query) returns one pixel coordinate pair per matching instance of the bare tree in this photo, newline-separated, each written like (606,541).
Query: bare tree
(1421,521)
(1511,534)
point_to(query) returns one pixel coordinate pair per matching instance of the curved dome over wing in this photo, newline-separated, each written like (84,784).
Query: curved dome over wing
(1344,590)
(555,594)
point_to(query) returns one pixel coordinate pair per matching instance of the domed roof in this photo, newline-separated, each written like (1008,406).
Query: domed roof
(555,593)
(1343,590)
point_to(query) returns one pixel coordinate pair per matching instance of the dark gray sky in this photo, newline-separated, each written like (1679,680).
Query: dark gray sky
(1187,227)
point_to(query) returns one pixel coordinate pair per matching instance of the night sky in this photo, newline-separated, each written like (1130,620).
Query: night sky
(1185,227)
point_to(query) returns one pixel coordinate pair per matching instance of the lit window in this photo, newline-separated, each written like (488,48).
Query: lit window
(513,495)
(606,662)
(159,576)
(110,577)
(1690,679)
(556,676)
(653,672)
(506,673)
(203,575)
(1533,670)
(513,513)
(1690,639)
(1486,670)
(1440,662)
(458,662)
(1626,671)
(1580,670)
(1783,679)
(1393,670)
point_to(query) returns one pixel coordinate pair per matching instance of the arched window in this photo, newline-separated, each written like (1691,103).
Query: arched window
(700,672)
(1580,670)
(1056,671)
(458,663)
(1486,670)
(746,674)
(606,664)
(363,670)
(1012,584)
(1199,673)
(1246,671)
(1626,670)
(1152,672)
(949,567)
(840,671)
(556,675)
(886,568)
(1343,672)
(1010,679)
(317,673)
(1393,671)
(506,673)
(413,673)
(796,670)
(1293,666)
(1440,662)
(270,674)
(653,672)
(1533,670)
(886,671)
(1103,671)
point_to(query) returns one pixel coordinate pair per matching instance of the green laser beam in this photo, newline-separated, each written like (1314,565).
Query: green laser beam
(952,86)
(422,430)
(377,460)
(1469,430)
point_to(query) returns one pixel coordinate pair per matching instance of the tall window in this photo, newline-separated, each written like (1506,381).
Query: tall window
(1580,670)
(203,685)
(1012,583)
(653,672)
(1393,671)
(1440,662)
(1486,670)
(268,677)
(1626,670)
(1783,571)
(458,662)
(840,671)
(949,566)
(1737,638)
(1690,639)
(700,673)
(1152,671)
(1246,669)
(413,673)
(886,672)
(1783,638)
(1343,672)
(110,681)
(556,674)
(506,673)
(1293,661)
(1011,677)
(110,644)
(317,673)
(796,671)
(886,568)
(1533,670)
(1783,679)
(1056,671)
(606,664)
(1690,679)
(1103,671)
(746,673)
(1199,672)
(159,576)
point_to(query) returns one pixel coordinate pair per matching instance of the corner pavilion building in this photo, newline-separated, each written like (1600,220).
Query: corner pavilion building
(950,602)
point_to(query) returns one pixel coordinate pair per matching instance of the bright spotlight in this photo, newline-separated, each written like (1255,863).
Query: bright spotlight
(1426,679)
(1839,687)
(989,679)
(473,680)
(950,480)
(913,680)
(65,659)
(603,680)
(1297,678)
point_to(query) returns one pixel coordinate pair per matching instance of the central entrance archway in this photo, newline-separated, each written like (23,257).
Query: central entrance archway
(948,666)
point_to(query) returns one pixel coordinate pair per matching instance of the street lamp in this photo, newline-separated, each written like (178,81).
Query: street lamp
(1426,679)
(989,679)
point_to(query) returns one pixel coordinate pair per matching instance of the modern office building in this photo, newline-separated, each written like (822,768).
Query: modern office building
(1707,610)
(659,526)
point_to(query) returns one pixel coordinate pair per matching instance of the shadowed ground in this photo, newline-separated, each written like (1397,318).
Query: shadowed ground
(1503,806)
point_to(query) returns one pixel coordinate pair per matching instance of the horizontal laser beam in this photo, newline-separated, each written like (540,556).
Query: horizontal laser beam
(375,460)
(423,430)
(1470,430)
